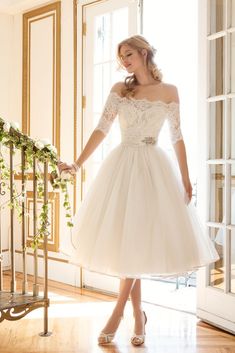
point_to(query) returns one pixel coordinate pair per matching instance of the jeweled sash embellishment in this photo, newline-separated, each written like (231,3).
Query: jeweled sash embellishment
(149,140)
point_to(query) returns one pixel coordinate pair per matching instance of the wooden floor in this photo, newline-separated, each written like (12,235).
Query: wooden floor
(77,316)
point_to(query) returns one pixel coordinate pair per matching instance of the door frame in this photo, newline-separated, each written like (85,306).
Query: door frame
(209,299)
(108,286)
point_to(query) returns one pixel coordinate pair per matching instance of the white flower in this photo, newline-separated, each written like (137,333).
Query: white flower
(53,149)
(39,145)
(15,125)
(45,142)
(66,175)
(6,126)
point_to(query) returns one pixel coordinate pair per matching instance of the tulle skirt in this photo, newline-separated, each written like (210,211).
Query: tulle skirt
(134,220)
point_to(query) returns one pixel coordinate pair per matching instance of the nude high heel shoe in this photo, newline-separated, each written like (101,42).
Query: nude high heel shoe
(105,338)
(137,340)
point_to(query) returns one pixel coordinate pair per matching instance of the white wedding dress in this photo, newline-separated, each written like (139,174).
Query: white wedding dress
(134,219)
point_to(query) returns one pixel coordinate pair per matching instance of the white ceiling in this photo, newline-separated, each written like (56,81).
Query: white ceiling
(15,6)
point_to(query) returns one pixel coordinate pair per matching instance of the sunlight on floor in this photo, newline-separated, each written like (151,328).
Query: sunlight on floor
(166,295)
(161,294)
(76,319)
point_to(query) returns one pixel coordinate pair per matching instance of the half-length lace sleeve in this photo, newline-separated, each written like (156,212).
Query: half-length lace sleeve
(109,113)
(174,122)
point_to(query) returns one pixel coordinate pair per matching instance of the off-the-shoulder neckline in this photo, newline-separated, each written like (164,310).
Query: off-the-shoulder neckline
(157,101)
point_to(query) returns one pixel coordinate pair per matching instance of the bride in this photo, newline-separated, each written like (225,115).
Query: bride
(135,220)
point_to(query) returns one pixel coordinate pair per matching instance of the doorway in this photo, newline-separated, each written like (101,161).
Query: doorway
(172,27)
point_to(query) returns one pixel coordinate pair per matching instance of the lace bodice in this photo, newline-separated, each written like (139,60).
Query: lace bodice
(140,119)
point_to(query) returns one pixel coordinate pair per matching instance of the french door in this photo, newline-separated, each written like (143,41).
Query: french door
(216,283)
(105,24)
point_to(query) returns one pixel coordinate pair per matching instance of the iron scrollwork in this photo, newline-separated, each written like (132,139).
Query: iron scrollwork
(2,191)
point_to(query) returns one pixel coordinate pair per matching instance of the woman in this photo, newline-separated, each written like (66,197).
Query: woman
(137,218)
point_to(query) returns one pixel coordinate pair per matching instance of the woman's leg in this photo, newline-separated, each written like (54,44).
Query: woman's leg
(137,308)
(126,286)
(136,297)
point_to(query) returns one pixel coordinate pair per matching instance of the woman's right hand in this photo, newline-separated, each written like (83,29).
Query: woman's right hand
(66,168)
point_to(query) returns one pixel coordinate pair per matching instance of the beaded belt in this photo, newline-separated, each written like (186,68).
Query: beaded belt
(139,141)
(149,140)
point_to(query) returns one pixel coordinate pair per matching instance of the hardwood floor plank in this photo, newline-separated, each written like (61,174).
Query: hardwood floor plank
(77,316)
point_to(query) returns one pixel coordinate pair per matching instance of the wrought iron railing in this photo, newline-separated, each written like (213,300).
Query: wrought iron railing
(16,304)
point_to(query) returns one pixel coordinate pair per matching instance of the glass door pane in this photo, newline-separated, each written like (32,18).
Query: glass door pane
(232,254)
(118,32)
(232,60)
(216,130)
(102,38)
(106,38)
(216,269)
(216,200)
(216,15)
(233,194)
(233,13)
(216,72)
(233,128)
(103,32)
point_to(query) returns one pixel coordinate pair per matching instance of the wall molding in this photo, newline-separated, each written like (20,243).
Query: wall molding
(54,11)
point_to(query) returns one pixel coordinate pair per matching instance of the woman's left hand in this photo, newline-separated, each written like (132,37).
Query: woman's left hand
(188,189)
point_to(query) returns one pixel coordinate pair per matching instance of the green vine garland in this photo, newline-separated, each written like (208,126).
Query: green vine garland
(43,152)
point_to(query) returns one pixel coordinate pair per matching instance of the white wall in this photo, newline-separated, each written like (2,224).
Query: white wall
(6,61)
(6,92)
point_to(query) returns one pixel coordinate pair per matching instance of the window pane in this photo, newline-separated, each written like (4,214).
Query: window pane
(98,88)
(232,62)
(232,245)
(102,76)
(216,129)
(102,38)
(216,269)
(233,128)
(216,81)
(106,78)
(119,32)
(216,193)
(233,12)
(233,194)
(116,73)
(216,15)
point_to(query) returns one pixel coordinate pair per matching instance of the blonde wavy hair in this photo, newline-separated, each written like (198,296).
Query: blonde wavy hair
(139,43)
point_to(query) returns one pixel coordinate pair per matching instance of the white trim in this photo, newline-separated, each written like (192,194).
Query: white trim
(216,35)
(231,226)
(215,224)
(216,98)
(216,161)
(216,320)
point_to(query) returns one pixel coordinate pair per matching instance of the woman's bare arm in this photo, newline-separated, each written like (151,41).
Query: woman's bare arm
(180,152)
(97,136)
(95,139)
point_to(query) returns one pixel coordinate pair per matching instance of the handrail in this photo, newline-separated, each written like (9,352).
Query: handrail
(15,305)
